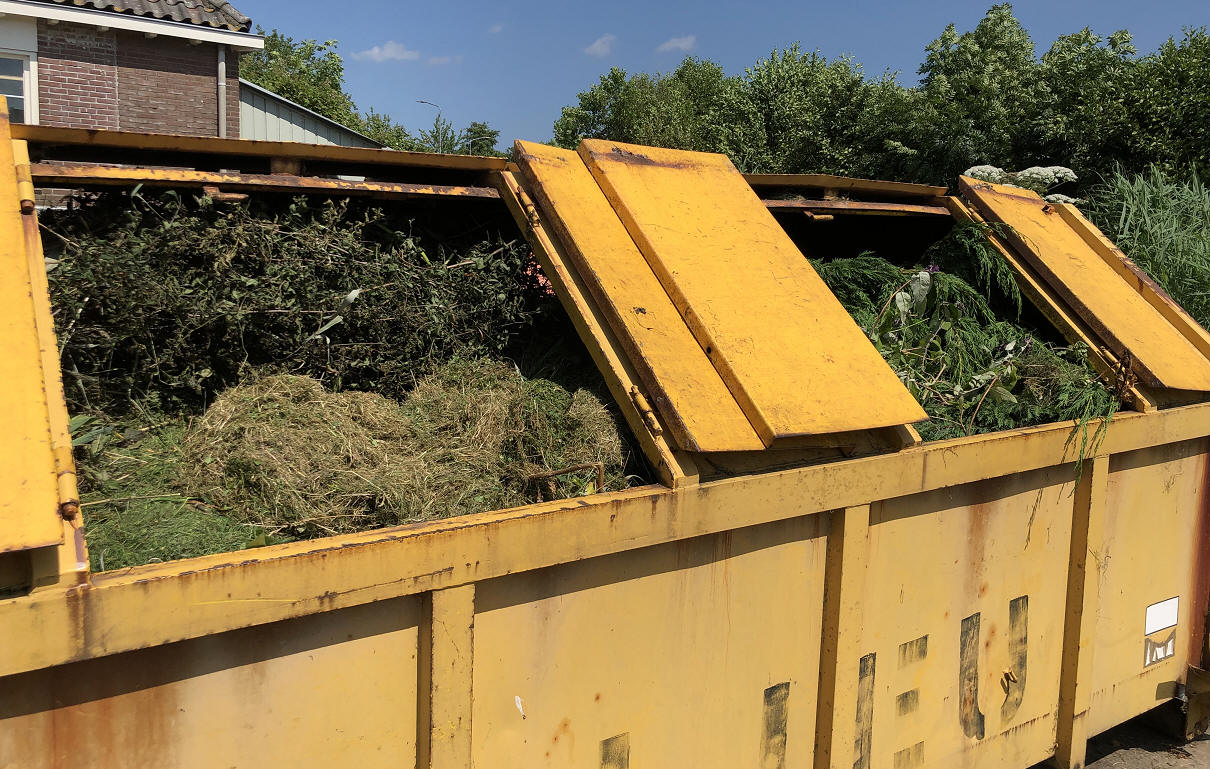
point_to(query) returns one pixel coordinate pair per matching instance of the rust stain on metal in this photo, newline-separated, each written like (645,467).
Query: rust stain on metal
(89,175)
(564,731)
(630,157)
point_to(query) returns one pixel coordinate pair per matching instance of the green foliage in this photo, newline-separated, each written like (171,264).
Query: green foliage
(480,138)
(1163,224)
(985,97)
(673,110)
(133,510)
(1170,102)
(971,370)
(976,95)
(798,110)
(384,130)
(306,72)
(967,253)
(1086,118)
(441,137)
(169,299)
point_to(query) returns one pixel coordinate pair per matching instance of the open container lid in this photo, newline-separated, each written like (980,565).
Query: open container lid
(740,342)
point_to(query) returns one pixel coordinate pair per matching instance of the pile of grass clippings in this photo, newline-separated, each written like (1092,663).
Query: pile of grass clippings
(286,455)
(134,512)
(942,327)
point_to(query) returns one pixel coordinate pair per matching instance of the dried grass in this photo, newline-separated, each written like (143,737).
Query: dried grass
(284,454)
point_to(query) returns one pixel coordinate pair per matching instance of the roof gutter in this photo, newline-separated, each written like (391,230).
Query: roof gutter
(239,40)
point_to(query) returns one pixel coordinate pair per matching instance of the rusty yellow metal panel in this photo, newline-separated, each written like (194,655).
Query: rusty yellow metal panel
(29,493)
(960,641)
(333,690)
(1111,306)
(93,176)
(209,145)
(1154,565)
(700,653)
(701,413)
(790,353)
(911,609)
(1137,278)
(672,467)
(164,603)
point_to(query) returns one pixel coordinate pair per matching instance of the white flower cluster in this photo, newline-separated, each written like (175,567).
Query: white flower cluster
(1042,178)
(988,174)
(1061,198)
(1036,178)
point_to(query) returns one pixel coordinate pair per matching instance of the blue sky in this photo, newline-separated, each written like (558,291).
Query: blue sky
(515,64)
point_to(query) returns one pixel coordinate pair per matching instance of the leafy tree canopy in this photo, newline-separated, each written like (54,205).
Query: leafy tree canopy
(985,96)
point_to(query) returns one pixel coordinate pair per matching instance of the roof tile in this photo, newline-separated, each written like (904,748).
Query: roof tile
(206,13)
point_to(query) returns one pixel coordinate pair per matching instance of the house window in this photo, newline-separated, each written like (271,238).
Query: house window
(15,86)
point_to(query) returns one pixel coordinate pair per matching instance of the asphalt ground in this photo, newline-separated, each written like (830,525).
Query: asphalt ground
(1146,743)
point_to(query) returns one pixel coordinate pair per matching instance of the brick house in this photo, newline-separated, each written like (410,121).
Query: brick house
(161,66)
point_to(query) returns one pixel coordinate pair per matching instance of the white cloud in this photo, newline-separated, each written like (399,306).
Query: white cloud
(388,51)
(495,29)
(601,46)
(683,44)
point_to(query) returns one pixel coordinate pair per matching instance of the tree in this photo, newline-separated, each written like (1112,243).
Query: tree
(980,92)
(984,97)
(481,139)
(382,129)
(673,110)
(1170,102)
(306,72)
(1085,119)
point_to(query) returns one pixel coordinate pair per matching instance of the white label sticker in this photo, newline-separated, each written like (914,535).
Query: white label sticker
(1162,615)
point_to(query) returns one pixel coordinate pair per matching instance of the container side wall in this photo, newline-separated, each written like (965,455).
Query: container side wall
(332,689)
(699,653)
(964,585)
(1151,568)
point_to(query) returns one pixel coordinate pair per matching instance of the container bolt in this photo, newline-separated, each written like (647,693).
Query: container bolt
(69,510)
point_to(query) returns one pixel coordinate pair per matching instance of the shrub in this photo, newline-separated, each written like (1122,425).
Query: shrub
(1163,224)
(169,299)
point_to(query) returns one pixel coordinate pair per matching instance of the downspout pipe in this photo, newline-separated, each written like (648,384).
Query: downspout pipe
(222,91)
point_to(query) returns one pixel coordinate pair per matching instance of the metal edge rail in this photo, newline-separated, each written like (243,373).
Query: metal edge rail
(163,603)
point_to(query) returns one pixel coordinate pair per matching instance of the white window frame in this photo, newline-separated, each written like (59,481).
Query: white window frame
(29,80)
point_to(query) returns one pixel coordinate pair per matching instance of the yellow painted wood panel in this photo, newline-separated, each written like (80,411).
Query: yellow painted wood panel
(789,352)
(688,392)
(702,653)
(1108,303)
(29,498)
